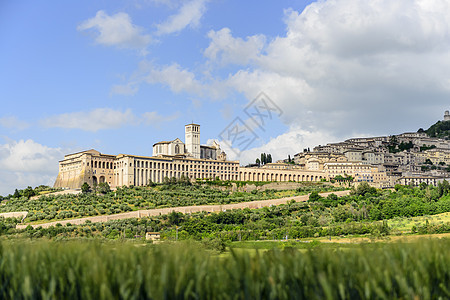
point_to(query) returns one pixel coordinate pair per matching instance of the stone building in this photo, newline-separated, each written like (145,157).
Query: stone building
(191,147)
(175,147)
(446,116)
(89,166)
(132,170)
(172,159)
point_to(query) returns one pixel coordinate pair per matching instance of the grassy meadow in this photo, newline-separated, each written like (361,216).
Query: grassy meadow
(94,269)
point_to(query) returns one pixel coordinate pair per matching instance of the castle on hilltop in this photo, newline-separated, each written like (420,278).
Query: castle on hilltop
(447,116)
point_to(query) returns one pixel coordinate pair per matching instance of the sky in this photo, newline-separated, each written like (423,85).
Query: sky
(258,76)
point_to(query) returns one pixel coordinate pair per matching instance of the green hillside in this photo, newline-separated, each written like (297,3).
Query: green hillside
(59,207)
(440,130)
(363,212)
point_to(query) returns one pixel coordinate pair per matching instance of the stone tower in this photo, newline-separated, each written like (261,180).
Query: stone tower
(446,116)
(192,139)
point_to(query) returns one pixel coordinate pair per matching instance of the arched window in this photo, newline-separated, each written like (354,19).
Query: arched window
(177,149)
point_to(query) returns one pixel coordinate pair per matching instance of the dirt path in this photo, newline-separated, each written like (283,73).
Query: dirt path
(182,209)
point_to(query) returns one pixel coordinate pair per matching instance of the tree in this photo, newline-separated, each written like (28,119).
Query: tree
(314,197)
(443,188)
(28,192)
(16,194)
(363,189)
(85,188)
(175,218)
(269,158)
(103,188)
(428,161)
(258,162)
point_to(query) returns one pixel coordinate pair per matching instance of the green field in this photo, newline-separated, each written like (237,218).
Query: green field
(116,270)
(406,224)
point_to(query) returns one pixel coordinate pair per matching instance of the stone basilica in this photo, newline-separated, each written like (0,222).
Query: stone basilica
(170,159)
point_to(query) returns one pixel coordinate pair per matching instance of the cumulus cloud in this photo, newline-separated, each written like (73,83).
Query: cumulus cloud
(128,89)
(289,143)
(94,120)
(104,118)
(155,119)
(226,49)
(178,79)
(13,122)
(353,65)
(173,76)
(189,14)
(116,30)
(341,68)
(25,162)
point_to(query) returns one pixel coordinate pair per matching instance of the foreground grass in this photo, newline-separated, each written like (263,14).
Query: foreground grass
(114,270)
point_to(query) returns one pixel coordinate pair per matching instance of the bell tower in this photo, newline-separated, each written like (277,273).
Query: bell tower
(192,139)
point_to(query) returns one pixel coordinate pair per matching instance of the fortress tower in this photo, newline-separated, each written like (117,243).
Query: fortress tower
(446,116)
(192,139)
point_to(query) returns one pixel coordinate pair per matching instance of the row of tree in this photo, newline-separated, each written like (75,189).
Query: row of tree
(265,159)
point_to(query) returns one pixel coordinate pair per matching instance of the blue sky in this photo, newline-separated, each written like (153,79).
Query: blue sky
(119,76)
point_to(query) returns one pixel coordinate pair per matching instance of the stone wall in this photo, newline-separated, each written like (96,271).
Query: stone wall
(17,214)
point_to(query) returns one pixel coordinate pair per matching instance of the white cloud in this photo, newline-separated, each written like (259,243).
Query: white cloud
(173,76)
(155,119)
(289,143)
(97,119)
(176,78)
(128,89)
(189,14)
(116,30)
(105,118)
(25,162)
(350,65)
(226,49)
(12,122)
(342,67)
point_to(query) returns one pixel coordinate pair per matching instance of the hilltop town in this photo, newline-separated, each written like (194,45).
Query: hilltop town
(409,158)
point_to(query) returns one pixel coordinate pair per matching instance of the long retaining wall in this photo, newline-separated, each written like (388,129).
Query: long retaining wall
(182,209)
(16,214)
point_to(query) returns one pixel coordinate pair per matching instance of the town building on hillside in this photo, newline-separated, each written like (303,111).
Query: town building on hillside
(417,180)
